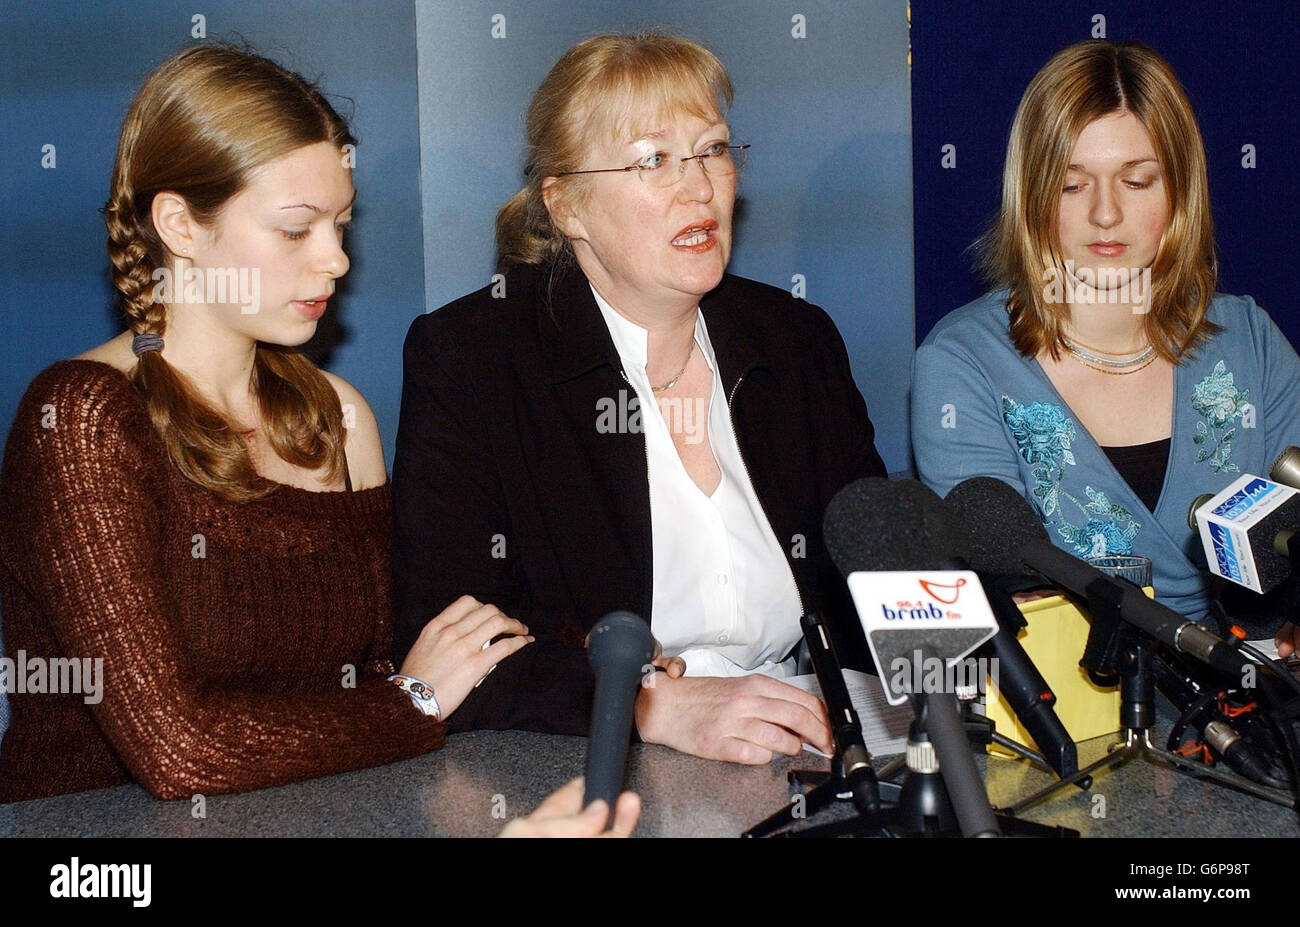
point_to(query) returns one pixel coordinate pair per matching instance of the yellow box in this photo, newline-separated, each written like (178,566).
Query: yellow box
(1054,639)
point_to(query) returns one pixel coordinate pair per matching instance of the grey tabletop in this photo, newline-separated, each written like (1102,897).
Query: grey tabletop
(481,779)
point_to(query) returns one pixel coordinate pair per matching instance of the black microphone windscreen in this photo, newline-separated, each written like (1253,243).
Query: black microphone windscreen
(999,523)
(878,524)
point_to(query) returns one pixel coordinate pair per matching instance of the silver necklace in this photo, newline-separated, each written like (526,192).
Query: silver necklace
(1112,363)
(673,382)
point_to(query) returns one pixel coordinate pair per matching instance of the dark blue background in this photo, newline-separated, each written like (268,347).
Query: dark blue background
(971,62)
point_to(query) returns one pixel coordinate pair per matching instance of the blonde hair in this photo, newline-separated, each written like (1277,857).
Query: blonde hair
(1082,83)
(200,125)
(599,89)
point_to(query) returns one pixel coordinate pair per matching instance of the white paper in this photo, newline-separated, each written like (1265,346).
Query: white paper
(884,726)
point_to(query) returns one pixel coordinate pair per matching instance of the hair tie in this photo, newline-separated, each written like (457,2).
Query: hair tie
(146,342)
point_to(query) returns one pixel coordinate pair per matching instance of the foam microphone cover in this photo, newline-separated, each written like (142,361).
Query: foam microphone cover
(878,525)
(999,524)
(875,524)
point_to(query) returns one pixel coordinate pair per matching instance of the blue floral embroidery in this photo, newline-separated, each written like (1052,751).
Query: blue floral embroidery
(1102,536)
(1043,434)
(1221,403)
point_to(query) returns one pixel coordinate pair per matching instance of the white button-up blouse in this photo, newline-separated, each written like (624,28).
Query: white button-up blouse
(724,598)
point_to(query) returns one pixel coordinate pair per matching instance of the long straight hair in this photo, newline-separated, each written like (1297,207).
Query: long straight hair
(1080,84)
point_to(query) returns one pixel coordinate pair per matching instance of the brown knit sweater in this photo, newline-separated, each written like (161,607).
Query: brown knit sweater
(226,630)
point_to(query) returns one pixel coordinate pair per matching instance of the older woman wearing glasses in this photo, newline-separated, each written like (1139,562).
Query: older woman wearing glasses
(622,425)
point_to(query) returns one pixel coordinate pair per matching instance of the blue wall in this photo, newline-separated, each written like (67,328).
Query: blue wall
(826,192)
(1240,64)
(68,72)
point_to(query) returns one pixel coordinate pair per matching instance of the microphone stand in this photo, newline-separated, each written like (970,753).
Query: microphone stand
(1133,658)
(922,804)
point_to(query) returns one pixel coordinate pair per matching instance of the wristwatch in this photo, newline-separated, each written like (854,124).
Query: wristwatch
(421,694)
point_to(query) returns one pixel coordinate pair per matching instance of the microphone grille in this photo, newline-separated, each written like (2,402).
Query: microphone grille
(1286,469)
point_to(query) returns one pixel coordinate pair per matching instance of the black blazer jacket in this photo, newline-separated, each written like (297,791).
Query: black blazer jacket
(506,489)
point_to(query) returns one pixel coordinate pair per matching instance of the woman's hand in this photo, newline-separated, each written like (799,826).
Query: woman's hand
(674,666)
(452,652)
(562,815)
(746,719)
(1286,641)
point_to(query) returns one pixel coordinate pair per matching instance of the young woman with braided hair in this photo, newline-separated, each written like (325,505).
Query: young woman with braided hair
(190,503)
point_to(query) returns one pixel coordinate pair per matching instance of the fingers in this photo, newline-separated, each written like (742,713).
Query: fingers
(736,750)
(591,823)
(674,666)
(456,610)
(586,823)
(771,737)
(1285,640)
(627,811)
(502,649)
(567,799)
(768,687)
(799,712)
(487,622)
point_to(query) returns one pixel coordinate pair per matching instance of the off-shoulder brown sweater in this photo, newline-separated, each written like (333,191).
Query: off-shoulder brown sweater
(243,644)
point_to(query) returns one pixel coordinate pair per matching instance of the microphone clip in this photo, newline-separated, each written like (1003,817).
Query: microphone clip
(1102,652)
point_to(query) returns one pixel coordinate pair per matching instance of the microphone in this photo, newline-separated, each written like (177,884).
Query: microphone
(1249,529)
(875,525)
(1011,537)
(855,760)
(1199,707)
(855,541)
(862,540)
(1024,687)
(1286,469)
(619,647)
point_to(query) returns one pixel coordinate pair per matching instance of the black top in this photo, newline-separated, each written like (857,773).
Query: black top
(507,486)
(1143,468)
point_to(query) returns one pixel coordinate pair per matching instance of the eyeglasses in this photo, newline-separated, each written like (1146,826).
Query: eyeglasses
(718,160)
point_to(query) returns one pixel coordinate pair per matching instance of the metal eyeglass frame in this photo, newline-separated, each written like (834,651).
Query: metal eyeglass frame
(642,169)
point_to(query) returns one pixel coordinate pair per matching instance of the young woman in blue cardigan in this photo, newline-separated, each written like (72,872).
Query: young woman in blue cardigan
(1104,377)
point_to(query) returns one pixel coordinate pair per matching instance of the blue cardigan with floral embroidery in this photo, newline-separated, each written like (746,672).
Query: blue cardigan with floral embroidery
(981,409)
